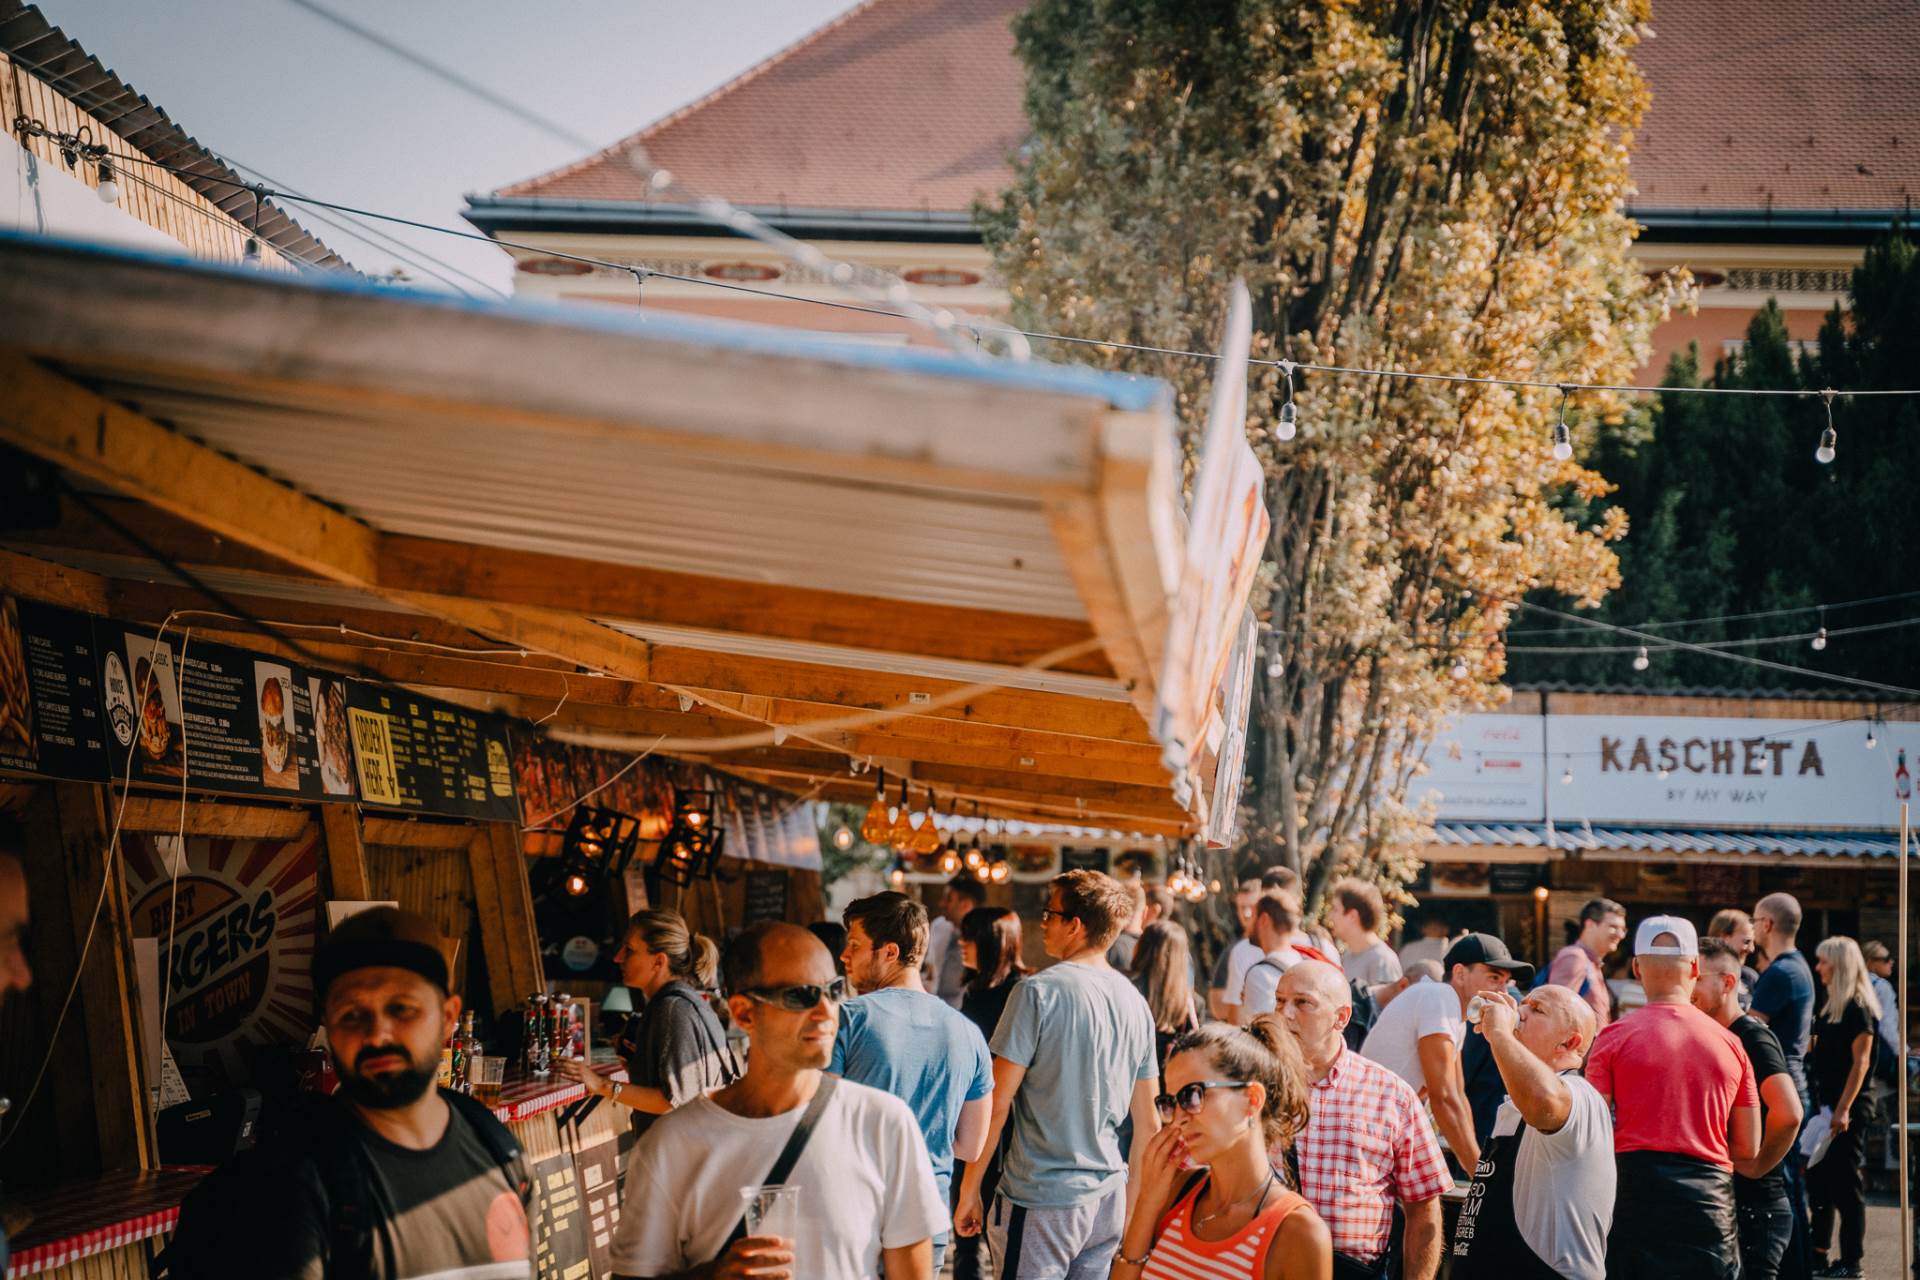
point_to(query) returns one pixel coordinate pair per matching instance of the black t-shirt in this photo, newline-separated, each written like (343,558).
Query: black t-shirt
(1831,1057)
(984,1008)
(449,1212)
(678,1048)
(1768,1059)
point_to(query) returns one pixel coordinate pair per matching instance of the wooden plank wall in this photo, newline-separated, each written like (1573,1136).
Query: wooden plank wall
(154,196)
(713,907)
(434,881)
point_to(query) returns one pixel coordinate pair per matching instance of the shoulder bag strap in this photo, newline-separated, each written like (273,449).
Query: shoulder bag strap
(790,1154)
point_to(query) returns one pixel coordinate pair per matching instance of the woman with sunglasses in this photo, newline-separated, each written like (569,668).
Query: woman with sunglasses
(1210,1200)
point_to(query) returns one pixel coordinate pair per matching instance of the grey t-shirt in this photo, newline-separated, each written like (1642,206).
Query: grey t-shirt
(1085,1036)
(1373,966)
(679,1048)
(449,1212)
(1563,1184)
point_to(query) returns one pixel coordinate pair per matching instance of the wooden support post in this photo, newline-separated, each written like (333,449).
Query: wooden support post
(503,903)
(107,1005)
(346,853)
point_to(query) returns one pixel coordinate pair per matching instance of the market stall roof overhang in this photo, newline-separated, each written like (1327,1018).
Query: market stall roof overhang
(1466,841)
(631,524)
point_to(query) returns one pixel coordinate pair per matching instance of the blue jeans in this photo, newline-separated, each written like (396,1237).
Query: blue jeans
(1798,1262)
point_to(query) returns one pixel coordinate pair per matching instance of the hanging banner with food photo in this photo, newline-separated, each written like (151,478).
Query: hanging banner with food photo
(219,718)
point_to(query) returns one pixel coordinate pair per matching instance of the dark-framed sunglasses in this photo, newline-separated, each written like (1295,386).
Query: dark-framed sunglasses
(1048,913)
(1191,1097)
(801,998)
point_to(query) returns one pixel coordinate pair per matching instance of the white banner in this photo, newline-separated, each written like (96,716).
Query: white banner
(1671,771)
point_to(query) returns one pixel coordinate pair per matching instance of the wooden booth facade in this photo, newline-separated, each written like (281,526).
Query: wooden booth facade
(331,594)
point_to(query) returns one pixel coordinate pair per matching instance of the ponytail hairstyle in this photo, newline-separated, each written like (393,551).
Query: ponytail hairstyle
(691,957)
(1263,1052)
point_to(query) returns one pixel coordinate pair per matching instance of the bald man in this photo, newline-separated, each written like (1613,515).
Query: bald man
(1542,1196)
(1368,1144)
(1685,1109)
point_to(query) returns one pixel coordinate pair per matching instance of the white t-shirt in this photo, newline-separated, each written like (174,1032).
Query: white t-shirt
(1563,1184)
(866,1181)
(1434,949)
(1240,962)
(1423,1009)
(1262,985)
(944,959)
(1372,964)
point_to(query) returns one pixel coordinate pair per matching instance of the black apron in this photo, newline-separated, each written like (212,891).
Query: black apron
(1487,1244)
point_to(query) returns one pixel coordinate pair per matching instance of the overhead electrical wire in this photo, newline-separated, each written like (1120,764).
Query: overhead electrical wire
(1737,617)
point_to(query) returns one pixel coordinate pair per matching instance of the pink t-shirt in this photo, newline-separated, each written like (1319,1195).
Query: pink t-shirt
(1675,1076)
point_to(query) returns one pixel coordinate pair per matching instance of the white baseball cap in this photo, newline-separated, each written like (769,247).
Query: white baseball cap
(1686,941)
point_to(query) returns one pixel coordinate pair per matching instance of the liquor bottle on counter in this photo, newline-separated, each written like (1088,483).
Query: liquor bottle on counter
(539,1037)
(464,1047)
(560,1032)
(446,1062)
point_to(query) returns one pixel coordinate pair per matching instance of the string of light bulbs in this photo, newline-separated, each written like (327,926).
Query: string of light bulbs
(1018,340)
(1821,609)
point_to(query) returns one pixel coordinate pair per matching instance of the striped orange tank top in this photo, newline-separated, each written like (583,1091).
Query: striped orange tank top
(1178,1254)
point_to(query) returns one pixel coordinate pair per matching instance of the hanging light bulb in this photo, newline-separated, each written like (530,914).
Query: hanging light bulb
(901,834)
(897,877)
(576,885)
(1566,778)
(926,837)
(108,190)
(1828,438)
(843,837)
(1664,773)
(1872,741)
(877,826)
(1288,424)
(1275,667)
(1820,640)
(999,872)
(1459,668)
(1562,433)
(982,874)
(1640,660)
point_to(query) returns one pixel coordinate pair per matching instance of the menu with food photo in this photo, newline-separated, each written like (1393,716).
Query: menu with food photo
(328,698)
(143,705)
(279,763)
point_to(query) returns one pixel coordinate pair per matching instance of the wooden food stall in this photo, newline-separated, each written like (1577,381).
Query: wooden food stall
(335,593)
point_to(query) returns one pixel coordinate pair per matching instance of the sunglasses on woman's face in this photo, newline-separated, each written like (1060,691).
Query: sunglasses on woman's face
(1191,1097)
(801,998)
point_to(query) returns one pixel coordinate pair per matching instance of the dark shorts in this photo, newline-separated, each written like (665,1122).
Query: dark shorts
(1673,1218)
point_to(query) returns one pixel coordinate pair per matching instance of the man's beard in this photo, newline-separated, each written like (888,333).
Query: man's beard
(389,1091)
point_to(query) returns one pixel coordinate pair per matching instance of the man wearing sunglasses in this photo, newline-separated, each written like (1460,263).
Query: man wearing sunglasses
(868,1203)
(1073,1056)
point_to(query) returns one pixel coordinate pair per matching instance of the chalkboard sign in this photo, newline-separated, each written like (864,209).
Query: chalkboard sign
(560,1231)
(50,720)
(1515,877)
(428,756)
(1085,859)
(596,1164)
(766,897)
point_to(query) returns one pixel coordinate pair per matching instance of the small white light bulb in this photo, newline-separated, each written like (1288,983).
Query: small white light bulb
(1566,779)
(1562,442)
(1824,454)
(1289,424)
(1640,659)
(1820,640)
(1276,669)
(108,190)
(1459,668)
(1872,741)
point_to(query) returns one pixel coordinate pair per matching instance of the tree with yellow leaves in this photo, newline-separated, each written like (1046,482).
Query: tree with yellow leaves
(1403,186)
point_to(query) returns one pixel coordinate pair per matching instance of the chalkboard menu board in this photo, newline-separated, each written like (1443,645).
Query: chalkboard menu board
(428,756)
(1085,859)
(766,897)
(596,1158)
(560,1230)
(49,692)
(1515,877)
(221,717)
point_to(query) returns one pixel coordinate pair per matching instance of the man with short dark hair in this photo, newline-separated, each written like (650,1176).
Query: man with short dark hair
(1578,966)
(962,894)
(896,1037)
(1760,1203)
(1355,912)
(1418,1036)
(1230,970)
(1276,920)
(1782,999)
(1685,1109)
(1074,1054)
(1735,928)
(868,1203)
(441,1183)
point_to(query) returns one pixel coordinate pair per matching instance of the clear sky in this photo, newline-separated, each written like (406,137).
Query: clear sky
(268,84)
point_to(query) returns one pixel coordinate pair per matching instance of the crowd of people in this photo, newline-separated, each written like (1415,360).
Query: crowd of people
(1305,1113)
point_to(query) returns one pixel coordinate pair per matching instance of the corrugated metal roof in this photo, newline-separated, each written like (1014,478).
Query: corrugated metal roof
(37,46)
(1704,691)
(1586,837)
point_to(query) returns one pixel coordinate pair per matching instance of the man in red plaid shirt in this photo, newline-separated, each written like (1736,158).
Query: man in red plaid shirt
(1368,1143)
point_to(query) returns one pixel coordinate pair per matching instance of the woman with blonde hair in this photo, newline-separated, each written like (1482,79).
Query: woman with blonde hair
(675,1050)
(1838,1062)
(1211,1202)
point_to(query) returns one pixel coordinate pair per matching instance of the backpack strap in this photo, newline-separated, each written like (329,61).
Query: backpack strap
(494,1136)
(790,1154)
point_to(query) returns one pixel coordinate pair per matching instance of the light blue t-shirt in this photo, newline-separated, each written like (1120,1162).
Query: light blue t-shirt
(1085,1036)
(921,1050)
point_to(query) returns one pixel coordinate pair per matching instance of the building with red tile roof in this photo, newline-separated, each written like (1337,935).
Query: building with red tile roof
(1782,137)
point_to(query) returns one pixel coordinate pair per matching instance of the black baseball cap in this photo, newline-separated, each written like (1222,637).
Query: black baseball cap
(1484,948)
(381,937)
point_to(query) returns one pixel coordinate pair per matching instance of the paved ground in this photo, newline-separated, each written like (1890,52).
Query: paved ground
(1883,1242)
